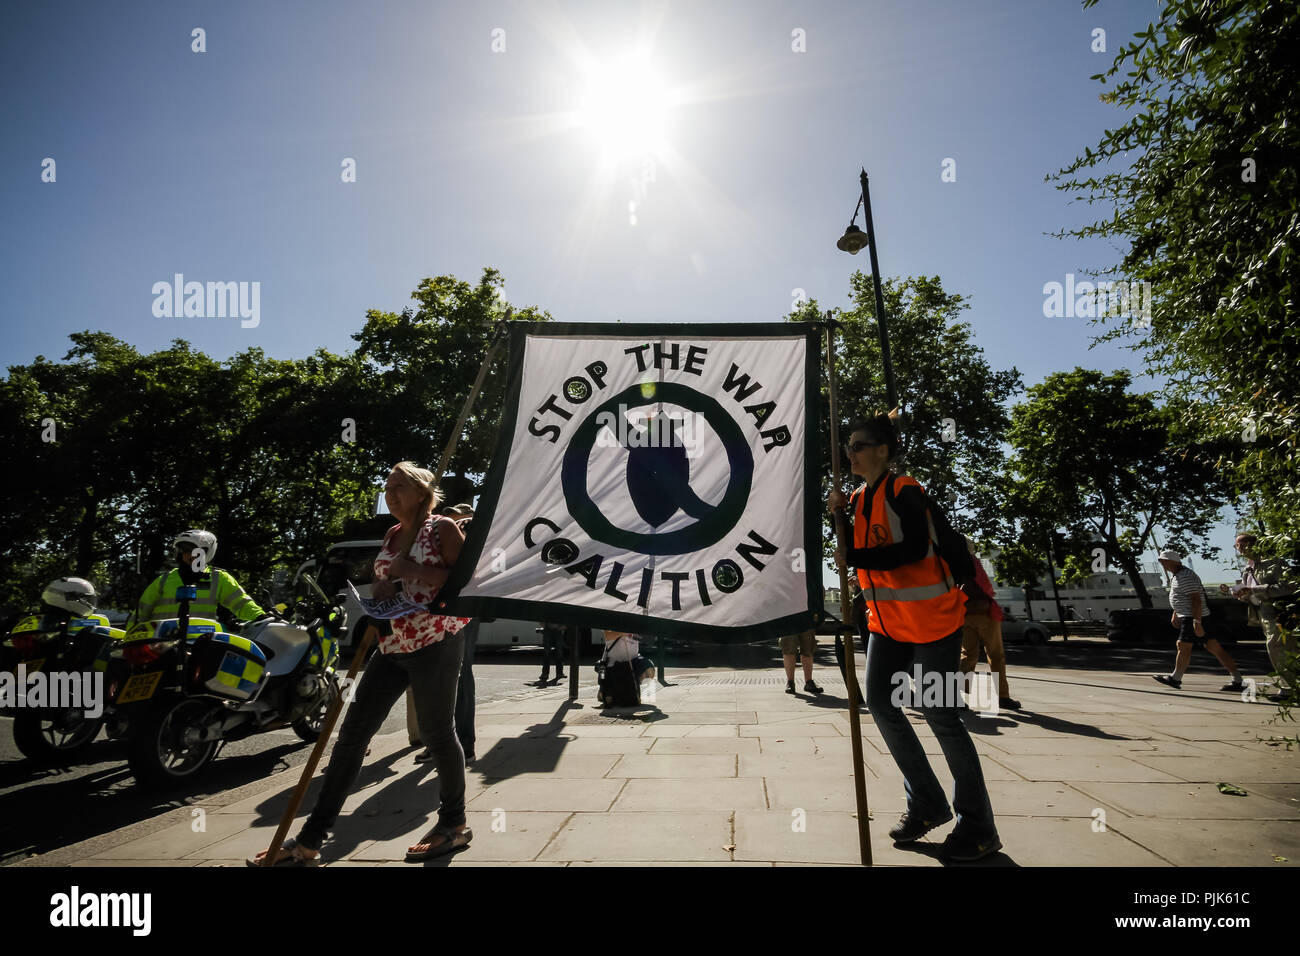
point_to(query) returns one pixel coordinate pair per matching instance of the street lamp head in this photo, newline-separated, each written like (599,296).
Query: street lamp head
(853,240)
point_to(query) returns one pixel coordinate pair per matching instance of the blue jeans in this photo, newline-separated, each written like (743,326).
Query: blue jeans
(465,690)
(432,673)
(887,657)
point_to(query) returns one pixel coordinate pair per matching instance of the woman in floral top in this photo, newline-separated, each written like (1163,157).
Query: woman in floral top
(423,652)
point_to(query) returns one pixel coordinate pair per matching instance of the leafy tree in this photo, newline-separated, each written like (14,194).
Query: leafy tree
(277,457)
(952,399)
(1200,181)
(421,365)
(67,427)
(1090,455)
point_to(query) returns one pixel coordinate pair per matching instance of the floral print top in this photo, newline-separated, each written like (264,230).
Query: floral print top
(418,629)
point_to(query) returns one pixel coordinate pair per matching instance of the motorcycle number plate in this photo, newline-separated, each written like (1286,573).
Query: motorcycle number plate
(139,687)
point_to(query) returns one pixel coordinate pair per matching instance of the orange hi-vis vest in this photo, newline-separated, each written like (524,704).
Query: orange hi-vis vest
(916,603)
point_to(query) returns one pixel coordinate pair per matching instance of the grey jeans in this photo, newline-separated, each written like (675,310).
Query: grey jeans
(432,673)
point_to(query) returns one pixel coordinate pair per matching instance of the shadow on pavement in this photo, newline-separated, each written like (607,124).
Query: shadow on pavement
(72,809)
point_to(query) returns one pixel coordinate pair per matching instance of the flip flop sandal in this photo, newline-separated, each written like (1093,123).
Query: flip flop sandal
(288,846)
(452,840)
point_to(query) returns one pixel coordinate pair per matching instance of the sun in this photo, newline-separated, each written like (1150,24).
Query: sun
(625,107)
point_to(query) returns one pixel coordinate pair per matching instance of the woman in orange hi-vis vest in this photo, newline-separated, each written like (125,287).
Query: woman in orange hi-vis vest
(912,629)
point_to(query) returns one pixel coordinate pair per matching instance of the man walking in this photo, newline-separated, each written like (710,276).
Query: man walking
(1188,600)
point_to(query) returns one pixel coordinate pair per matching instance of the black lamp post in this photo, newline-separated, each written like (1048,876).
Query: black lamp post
(852,242)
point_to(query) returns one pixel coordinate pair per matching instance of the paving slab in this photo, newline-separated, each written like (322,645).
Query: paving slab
(730,718)
(99,862)
(1247,768)
(820,837)
(177,842)
(741,793)
(1039,799)
(824,728)
(540,792)
(634,728)
(833,795)
(698,705)
(1053,841)
(602,745)
(793,765)
(1215,843)
(703,745)
(1091,747)
(564,765)
(1186,801)
(635,835)
(1285,793)
(675,766)
(640,863)
(1116,768)
(515,835)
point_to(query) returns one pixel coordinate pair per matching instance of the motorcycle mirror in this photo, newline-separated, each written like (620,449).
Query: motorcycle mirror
(311,583)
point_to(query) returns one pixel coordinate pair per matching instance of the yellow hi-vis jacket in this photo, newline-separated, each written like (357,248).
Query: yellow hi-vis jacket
(217,589)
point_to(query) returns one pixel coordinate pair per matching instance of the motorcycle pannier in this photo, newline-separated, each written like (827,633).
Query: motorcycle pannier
(227,665)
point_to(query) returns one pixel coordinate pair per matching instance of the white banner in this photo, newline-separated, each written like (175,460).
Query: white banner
(656,479)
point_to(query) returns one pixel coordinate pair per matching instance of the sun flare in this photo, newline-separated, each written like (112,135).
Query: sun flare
(625,108)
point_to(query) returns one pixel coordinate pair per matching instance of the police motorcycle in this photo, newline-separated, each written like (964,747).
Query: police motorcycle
(70,645)
(183,698)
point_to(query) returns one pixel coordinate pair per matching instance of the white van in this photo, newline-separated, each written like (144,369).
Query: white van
(348,561)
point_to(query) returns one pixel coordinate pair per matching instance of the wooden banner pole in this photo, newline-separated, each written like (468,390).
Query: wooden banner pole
(850,664)
(295,801)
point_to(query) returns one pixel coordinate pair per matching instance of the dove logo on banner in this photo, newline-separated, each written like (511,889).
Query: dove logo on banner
(654,479)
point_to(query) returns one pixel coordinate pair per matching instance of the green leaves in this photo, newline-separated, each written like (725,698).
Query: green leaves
(952,399)
(275,456)
(1110,464)
(1210,218)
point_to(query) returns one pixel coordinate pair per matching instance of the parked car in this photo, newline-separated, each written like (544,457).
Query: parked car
(1019,631)
(1150,625)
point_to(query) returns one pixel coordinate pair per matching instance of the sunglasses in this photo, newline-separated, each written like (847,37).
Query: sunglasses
(857,446)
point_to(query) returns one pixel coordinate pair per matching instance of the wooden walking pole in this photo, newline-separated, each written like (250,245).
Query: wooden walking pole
(850,664)
(336,708)
(295,801)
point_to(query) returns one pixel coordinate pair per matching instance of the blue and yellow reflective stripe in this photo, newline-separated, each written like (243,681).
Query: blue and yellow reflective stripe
(240,672)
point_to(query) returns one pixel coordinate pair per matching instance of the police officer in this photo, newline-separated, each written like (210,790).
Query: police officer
(216,588)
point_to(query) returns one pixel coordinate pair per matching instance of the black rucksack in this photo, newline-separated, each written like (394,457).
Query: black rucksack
(616,681)
(948,543)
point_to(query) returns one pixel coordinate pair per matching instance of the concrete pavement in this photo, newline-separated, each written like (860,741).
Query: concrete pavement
(1099,768)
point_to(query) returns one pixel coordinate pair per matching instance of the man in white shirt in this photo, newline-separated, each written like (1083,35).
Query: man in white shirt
(1188,600)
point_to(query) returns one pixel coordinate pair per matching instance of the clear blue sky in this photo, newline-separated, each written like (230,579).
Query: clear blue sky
(225,165)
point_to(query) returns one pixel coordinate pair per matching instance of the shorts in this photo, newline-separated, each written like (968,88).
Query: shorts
(805,643)
(1187,632)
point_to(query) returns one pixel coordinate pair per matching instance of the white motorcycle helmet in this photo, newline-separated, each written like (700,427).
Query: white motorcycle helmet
(74,595)
(195,540)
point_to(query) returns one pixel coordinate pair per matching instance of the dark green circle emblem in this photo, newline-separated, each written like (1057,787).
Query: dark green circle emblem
(710,528)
